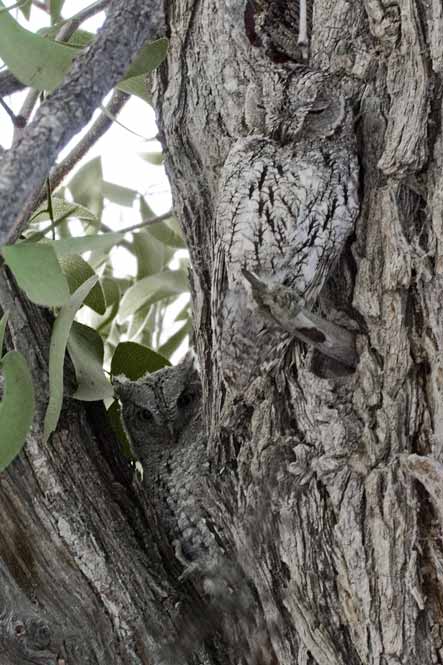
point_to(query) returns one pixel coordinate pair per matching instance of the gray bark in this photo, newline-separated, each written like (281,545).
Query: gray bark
(326,488)
(319,481)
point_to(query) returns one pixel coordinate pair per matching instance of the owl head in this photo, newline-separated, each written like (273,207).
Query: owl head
(157,407)
(288,102)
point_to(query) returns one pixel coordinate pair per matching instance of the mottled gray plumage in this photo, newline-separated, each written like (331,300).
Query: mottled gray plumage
(287,204)
(162,418)
(161,414)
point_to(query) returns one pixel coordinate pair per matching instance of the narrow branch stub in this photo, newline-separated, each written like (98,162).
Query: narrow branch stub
(303,38)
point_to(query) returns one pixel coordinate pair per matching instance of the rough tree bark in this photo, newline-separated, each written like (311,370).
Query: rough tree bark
(326,484)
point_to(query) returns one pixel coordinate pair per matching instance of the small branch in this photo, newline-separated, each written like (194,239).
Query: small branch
(145,222)
(72,24)
(9,84)
(65,112)
(25,113)
(17,120)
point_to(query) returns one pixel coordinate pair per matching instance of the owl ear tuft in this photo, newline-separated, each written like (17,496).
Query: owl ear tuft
(190,361)
(191,368)
(122,386)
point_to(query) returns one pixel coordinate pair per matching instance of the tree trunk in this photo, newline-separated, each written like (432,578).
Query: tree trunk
(325,483)
(320,468)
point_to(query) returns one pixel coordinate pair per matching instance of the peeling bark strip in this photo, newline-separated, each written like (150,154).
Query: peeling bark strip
(127,27)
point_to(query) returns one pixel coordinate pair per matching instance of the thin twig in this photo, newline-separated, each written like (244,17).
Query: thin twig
(303,39)
(25,113)
(144,223)
(72,24)
(8,110)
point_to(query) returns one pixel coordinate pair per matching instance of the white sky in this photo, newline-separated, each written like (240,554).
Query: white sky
(119,150)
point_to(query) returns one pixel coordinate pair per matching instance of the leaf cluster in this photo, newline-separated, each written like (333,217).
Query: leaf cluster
(64,260)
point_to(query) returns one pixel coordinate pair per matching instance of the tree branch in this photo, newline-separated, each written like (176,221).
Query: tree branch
(71,25)
(23,170)
(9,84)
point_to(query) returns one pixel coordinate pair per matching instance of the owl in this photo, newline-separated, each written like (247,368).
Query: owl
(288,201)
(158,408)
(161,415)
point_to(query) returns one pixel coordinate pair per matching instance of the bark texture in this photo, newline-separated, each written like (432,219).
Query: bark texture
(318,472)
(325,486)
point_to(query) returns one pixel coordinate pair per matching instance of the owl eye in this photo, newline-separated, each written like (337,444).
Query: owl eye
(184,400)
(145,416)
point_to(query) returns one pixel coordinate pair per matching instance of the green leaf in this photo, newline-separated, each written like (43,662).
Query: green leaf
(111,290)
(133,360)
(136,86)
(16,407)
(145,209)
(80,38)
(152,289)
(141,322)
(77,271)
(55,9)
(148,58)
(155,158)
(85,347)
(86,186)
(57,348)
(34,60)
(112,297)
(152,255)
(25,8)
(92,243)
(115,418)
(168,232)
(123,196)
(63,209)
(38,273)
